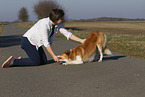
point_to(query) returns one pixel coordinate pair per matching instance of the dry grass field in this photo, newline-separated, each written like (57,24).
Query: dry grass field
(125,37)
(1,28)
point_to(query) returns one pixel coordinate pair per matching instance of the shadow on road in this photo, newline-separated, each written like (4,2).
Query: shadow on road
(12,40)
(48,62)
(113,57)
(52,61)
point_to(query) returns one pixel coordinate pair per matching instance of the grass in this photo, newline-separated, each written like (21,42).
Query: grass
(126,37)
(25,25)
(1,28)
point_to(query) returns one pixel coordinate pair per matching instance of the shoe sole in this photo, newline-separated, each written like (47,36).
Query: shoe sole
(20,57)
(7,61)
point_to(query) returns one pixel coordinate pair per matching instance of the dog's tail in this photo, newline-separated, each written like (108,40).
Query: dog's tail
(107,51)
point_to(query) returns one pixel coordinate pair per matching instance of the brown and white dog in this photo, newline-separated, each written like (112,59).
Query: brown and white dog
(87,52)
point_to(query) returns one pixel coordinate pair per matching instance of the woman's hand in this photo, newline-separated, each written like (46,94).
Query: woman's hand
(75,38)
(52,54)
(55,58)
(83,40)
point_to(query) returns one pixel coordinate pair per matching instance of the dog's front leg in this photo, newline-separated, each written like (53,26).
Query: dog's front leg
(64,63)
(76,62)
(73,62)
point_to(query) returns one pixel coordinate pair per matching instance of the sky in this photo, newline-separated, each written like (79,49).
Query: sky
(77,9)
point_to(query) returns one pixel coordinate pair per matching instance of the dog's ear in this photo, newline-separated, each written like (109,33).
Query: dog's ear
(67,52)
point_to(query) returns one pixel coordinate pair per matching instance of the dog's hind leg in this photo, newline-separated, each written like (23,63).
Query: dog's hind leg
(96,54)
(101,53)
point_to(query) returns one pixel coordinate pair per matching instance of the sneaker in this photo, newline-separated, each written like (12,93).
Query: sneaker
(7,63)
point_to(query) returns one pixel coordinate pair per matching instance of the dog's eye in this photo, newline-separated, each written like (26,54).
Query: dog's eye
(67,52)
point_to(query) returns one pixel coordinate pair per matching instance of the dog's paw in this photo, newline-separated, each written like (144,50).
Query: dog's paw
(64,63)
(99,60)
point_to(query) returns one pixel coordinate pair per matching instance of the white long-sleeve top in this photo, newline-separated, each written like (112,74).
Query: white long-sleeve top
(39,34)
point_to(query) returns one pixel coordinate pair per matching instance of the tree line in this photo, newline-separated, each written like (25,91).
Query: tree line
(41,9)
(108,19)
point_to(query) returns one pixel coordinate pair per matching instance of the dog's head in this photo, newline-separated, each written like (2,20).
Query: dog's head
(64,56)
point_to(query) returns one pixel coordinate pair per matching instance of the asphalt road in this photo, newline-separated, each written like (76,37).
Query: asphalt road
(116,76)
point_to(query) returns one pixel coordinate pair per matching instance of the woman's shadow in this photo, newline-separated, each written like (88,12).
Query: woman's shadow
(11,40)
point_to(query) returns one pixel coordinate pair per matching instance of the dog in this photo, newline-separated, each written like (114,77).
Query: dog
(88,51)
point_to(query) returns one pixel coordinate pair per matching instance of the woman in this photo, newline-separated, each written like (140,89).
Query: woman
(42,33)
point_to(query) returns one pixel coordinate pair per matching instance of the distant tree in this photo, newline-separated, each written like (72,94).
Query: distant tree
(23,15)
(43,8)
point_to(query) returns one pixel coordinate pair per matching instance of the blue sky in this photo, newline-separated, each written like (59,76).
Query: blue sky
(78,9)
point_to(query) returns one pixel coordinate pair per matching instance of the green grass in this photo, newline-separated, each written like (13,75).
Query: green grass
(127,37)
(123,37)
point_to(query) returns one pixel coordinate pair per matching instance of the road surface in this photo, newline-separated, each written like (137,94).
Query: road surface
(116,76)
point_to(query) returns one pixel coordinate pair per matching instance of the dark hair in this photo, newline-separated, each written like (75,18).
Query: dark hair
(55,15)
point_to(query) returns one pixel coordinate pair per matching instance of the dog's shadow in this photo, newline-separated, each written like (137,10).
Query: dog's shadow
(50,62)
(106,58)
